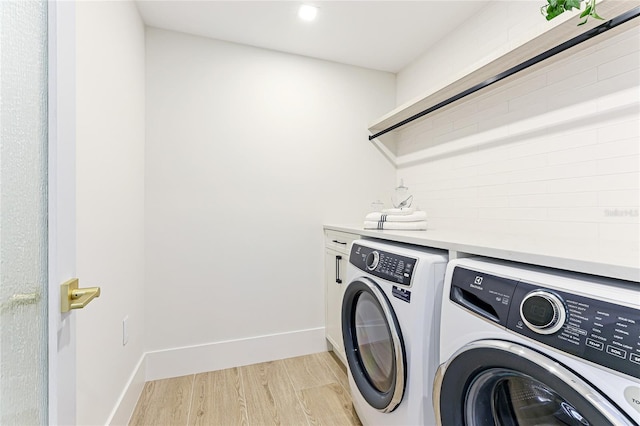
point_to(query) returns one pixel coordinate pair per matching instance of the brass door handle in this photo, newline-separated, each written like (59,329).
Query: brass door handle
(72,297)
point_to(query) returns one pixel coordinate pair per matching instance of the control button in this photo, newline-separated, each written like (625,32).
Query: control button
(595,344)
(620,353)
(543,312)
(634,358)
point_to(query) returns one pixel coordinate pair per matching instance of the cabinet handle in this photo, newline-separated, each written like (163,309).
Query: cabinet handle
(338,279)
(339,242)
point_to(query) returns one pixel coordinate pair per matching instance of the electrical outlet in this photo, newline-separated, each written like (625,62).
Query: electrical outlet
(125,330)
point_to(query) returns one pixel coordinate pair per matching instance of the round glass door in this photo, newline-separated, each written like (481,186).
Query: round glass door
(374,342)
(373,345)
(500,383)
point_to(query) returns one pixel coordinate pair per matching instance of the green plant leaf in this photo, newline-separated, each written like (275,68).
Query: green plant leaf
(572,4)
(586,12)
(553,11)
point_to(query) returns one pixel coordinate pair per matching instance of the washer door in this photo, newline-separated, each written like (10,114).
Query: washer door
(373,345)
(494,382)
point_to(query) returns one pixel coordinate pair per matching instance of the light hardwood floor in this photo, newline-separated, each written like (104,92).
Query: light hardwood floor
(307,390)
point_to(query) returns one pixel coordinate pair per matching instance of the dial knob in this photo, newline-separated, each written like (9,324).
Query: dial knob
(543,312)
(372,260)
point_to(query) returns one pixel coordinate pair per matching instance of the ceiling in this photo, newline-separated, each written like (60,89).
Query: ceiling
(380,35)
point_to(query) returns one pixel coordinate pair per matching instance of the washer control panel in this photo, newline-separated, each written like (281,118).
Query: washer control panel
(388,266)
(602,332)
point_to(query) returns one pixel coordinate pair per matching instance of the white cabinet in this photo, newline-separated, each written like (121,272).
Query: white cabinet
(336,257)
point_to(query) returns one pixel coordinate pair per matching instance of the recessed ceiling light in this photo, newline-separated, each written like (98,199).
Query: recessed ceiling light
(307,12)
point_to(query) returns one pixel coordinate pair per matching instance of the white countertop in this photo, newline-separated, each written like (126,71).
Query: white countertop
(620,264)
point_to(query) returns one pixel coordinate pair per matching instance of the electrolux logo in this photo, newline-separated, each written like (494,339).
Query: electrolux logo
(477,283)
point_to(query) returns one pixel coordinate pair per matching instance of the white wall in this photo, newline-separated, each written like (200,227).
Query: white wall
(552,154)
(110,204)
(248,153)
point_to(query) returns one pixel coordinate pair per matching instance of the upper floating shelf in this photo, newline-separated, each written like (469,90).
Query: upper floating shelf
(504,66)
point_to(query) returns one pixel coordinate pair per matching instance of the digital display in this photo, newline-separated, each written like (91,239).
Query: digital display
(538,311)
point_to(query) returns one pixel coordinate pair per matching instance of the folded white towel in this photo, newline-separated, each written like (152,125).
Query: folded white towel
(381,217)
(402,211)
(406,226)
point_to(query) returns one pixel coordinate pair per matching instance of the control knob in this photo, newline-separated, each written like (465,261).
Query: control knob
(372,260)
(543,312)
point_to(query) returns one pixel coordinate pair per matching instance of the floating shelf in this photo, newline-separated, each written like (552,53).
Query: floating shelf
(539,45)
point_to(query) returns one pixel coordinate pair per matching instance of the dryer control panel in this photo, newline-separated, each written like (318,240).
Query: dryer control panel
(602,332)
(388,266)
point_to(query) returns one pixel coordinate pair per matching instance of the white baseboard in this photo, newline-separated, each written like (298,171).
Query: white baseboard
(233,353)
(125,405)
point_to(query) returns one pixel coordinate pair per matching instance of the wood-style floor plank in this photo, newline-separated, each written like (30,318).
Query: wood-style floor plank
(308,371)
(328,405)
(271,399)
(164,402)
(336,367)
(218,399)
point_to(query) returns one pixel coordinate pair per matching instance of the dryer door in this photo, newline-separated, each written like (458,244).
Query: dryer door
(494,382)
(373,345)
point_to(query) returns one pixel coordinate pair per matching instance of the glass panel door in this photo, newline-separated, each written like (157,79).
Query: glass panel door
(23,212)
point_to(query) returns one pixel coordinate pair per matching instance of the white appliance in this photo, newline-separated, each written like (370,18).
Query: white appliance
(390,333)
(521,346)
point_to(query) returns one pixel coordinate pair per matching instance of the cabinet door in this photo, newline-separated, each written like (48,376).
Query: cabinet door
(335,271)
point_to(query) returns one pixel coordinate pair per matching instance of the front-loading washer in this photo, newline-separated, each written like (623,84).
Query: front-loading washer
(390,330)
(521,345)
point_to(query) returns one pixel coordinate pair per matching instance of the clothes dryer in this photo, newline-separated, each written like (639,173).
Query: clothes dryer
(390,330)
(529,346)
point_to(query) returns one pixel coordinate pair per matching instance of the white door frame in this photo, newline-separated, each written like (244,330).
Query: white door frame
(61,209)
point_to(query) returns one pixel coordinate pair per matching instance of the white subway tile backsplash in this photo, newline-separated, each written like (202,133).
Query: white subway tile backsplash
(480,114)
(554,153)
(624,41)
(493,191)
(574,104)
(573,155)
(572,138)
(490,179)
(527,84)
(575,214)
(615,165)
(522,164)
(526,188)
(629,128)
(531,146)
(580,199)
(500,202)
(620,82)
(619,100)
(511,213)
(620,232)
(571,64)
(630,62)
(619,198)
